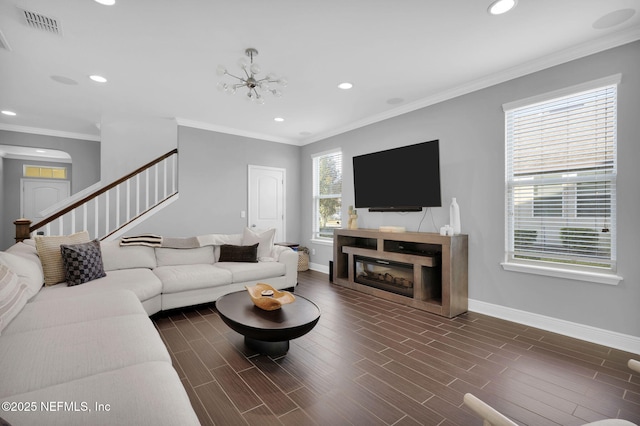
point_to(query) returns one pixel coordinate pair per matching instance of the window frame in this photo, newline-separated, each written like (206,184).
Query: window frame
(604,275)
(54,172)
(316,236)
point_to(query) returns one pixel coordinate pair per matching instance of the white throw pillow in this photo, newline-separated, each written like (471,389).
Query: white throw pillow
(263,238)
(30,271)
(219,239)
(13,295)
(50,257)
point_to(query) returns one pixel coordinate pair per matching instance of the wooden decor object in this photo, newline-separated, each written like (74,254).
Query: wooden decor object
(269,303)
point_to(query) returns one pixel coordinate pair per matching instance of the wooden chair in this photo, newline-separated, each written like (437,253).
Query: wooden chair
(492,417)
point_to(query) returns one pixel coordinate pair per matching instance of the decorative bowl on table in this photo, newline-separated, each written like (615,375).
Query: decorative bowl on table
(268,298)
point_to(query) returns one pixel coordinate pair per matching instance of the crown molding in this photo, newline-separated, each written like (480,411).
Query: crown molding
(49,132)
(233,131)
(580,51)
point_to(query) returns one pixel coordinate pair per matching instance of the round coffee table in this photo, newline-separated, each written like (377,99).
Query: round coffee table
(267,332)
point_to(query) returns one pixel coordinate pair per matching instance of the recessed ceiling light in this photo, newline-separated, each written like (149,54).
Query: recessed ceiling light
(345,85)
(64,80)
(499,7)
(6,112)
(98,78)
(278,119)
(613,19)
(106,2)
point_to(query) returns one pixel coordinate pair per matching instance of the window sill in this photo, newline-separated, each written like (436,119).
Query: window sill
(594,277)
(322,242)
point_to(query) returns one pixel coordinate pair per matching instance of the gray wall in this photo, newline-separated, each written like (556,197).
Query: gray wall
(129,143)
(471,133)
(213,171)
(85,171)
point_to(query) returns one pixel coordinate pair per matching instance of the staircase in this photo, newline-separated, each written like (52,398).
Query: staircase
(111,210)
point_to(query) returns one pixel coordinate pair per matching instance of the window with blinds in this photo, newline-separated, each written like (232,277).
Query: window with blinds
(327,194)
(561,180)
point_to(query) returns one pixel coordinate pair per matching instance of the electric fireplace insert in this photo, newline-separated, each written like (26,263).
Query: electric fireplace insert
(395,277)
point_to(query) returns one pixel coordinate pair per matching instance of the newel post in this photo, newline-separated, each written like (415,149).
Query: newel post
(22,229)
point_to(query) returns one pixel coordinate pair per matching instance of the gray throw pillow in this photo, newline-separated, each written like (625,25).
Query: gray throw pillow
(82,262)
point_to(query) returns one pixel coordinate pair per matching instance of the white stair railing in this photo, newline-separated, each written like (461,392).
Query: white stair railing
(111,208)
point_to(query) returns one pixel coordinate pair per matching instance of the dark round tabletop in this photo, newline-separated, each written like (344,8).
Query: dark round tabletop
(289,322)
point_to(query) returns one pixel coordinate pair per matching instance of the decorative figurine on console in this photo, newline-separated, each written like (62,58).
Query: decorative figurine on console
(353,218)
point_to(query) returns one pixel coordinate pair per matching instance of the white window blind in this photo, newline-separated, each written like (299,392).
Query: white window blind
(327,194)
(561,180)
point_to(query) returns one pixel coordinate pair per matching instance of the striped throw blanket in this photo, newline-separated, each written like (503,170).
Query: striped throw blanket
(151,240)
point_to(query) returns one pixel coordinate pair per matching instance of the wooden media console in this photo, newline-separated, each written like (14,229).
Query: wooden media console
(426,271)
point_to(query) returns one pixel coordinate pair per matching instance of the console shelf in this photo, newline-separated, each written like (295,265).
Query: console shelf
(437,281)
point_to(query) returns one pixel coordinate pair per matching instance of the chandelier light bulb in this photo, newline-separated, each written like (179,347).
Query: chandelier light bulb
(242,63)
(250,79)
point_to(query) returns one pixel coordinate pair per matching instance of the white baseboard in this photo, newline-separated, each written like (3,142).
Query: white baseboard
(600,336)
(318,267)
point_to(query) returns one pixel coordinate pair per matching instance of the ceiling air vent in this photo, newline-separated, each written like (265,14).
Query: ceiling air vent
(42,22)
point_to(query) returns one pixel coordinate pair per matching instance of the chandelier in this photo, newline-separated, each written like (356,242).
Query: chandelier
(255,85)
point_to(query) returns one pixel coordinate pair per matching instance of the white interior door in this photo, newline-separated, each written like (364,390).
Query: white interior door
(40,194)
(267,199)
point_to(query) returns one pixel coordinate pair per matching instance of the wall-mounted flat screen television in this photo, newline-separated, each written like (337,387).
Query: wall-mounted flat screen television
(398,179)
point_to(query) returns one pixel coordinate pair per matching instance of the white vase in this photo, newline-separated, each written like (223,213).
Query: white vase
(454,216)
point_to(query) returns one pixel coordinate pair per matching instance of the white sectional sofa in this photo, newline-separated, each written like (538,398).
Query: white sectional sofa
(168,278)
(89,354)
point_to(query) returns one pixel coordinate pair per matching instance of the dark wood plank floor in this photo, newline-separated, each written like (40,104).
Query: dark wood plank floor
(373,362)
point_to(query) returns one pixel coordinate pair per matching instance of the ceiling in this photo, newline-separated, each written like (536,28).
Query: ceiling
(160,58)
